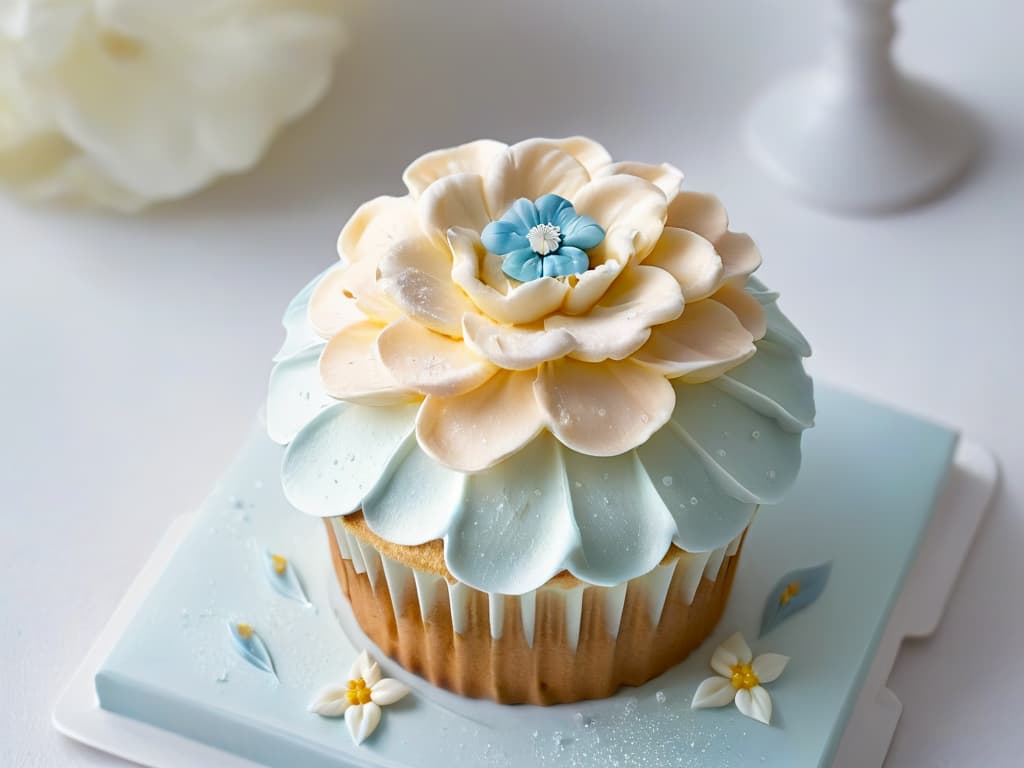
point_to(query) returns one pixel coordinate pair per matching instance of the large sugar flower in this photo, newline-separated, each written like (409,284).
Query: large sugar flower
(125,102)
(451,385)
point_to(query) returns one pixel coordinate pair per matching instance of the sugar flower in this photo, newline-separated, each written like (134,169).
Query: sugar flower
(122,103)
(741,679)
(360,699)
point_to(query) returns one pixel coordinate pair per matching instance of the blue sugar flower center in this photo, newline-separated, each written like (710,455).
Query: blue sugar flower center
(543,238)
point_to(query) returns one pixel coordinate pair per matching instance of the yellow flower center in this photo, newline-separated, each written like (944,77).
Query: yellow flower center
(120,46)
(743,677)
(789,592)
(358,692)
(279,564)
(244,631)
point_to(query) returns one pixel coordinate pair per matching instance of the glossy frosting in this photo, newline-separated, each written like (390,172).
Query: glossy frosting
(578,423)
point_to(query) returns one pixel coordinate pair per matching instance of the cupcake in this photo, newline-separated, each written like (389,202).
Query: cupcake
(538,403)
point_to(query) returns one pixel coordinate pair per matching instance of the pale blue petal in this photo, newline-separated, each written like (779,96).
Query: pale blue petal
(774,383)
(812,582)
(760,291)
(552,208)
(565,261)
(503,236)
(582,232)
(298,334)
(287,582)
(251,649)
(523,214)
(524,265)
(782,331)
(295,394)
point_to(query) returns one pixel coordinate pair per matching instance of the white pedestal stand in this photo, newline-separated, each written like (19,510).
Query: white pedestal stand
(857,136)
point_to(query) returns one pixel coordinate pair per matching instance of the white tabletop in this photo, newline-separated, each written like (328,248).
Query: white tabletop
(136,350)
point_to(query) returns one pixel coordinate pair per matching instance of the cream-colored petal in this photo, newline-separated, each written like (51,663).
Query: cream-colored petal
(473,157)
(590,286)
(737,646)
(429,362)
(700,213)
(664,176)
(747,309)
(740,257)
(388,691)
(768,666)
(360,666)
(362,720)
(474,431)
(359,279)
(351,370)
(530,169)
(623,203)
(332,307)
(517,349)
(690,259)
(524,303)
(587,152)
(331,701)
(703,343)
(603,409)
(713,692)
(453,201)
(755,703)
(416,275)
(621,322)
(376,226)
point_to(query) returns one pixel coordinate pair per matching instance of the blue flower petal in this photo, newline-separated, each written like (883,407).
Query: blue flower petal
(523,214)
(250,647)
(552,208)
(582,232)
(287,581)
(566,261)
(523,265)
(503,237)
(810,583)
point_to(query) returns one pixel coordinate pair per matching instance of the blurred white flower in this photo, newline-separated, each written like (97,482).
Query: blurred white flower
(127,102)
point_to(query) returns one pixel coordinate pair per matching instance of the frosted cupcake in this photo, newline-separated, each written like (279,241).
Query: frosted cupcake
(537,404)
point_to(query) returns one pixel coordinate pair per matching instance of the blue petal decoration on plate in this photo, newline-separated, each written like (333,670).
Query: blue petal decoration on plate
(250,647)
(282,577)
(794,592)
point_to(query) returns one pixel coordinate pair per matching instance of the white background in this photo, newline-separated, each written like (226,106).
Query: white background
(135,351)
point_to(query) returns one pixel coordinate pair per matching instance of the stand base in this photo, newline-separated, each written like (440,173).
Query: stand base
(861,152)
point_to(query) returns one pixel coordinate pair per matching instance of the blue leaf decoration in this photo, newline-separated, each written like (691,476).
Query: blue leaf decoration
(282,577)
(250,647)
(794,592)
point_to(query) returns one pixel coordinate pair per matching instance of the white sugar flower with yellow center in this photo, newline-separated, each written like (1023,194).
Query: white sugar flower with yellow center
(126,102)
(360,699)
(741,681)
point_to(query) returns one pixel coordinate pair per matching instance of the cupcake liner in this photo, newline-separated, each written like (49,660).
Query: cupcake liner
(563,642)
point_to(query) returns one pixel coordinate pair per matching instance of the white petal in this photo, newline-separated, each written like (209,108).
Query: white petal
(747,309)
(603,409)
(700,213)
(476,430)
(376,226)
(360,666)
(525,303)
(453,201)
(530,169)
(621,322)
(587,152)
(332,306)
(665,176)
(690,259)
(517,349)
(740,256)
(473,157)
(730,653)
(590,286)
(430,363)
(387,691)
(362,720)
(330,701)
(623,203)
(350,369)
(755,703)
(416,275)
(358,282)
(713,692)
(768,666)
